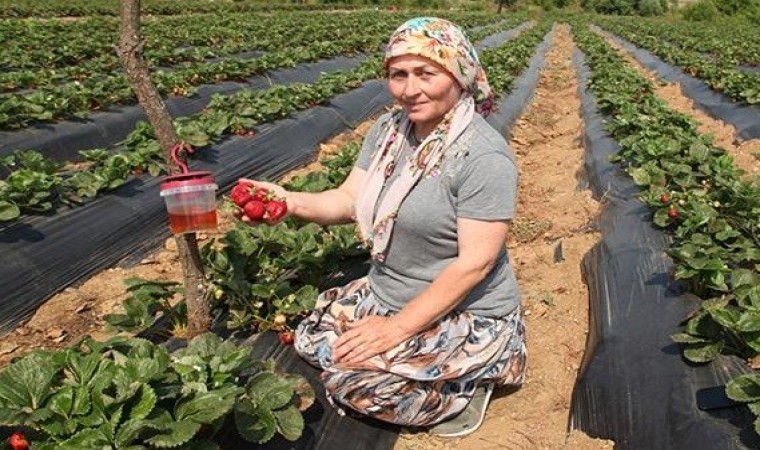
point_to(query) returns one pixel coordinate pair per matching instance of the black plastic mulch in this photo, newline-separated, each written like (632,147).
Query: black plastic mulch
(106,129)
(634,386)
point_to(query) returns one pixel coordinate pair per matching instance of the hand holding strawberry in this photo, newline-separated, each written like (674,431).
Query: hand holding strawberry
(259,202)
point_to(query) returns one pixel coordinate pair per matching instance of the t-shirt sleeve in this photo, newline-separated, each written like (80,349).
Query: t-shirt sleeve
(487,188)
(369,145)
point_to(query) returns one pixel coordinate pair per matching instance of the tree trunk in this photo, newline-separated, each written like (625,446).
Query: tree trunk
(130,52)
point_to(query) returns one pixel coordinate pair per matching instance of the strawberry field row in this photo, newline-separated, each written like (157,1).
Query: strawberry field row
(178,39)
(82,8)
(37,184)
(700,197)
(740,46)
(92,92)
(97,84)
(719,74)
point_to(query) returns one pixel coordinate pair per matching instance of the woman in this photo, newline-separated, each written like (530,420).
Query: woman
(437,321)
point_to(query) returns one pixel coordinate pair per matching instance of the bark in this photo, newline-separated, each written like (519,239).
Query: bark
(130,52)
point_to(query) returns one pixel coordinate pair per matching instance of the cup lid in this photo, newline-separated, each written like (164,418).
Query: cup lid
(197,178)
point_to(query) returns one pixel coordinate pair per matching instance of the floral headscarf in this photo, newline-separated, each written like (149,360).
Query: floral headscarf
(444,43)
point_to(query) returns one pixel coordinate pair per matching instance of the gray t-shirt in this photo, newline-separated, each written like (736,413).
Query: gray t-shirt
(477,180)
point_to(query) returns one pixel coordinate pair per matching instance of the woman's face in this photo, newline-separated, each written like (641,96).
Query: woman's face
(424,89)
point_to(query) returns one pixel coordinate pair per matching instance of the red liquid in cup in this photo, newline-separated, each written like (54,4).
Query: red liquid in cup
(182,223)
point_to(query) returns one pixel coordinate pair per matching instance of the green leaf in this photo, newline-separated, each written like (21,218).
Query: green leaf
(661,218)
(752,339)
(130,430)
(685,338)
(725,317)
(749,321)
(86,440)
(204,346)
(270,391)
(82,367)
(8,211)
(175,434)
(699,151)
(143,369)
(703,325)
(754,407)
(641,176)
(702,353)
(143,403)
(126,386)
(191,368)
(231,359)
(289,422)
(26,383)
(62,402)
(254,424)
(81,401)
(744,388)
(208,406)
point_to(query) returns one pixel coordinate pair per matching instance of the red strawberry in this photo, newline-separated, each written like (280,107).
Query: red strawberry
(665,198)
(276,209)
(262,195)
(254,210)
(17,441)
(286,337)
(672,212)
(241,194)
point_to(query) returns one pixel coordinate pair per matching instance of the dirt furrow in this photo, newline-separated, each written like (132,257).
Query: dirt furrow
(746,154)
(552,232)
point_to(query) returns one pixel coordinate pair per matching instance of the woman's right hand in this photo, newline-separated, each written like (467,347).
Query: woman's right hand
(279,193)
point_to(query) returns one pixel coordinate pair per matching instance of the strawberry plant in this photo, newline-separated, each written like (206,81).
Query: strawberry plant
(75,80)
(266,273)
(129,393)
(699,196)
(148,301)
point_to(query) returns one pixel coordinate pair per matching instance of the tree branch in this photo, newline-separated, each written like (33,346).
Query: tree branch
(130,52)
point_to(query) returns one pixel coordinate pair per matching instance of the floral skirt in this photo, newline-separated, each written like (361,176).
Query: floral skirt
(422,381)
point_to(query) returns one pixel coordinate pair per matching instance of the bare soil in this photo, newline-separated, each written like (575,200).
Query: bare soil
(553,232)
(746,153)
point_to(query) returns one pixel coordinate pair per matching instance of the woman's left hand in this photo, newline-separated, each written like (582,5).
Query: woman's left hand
(368,337)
